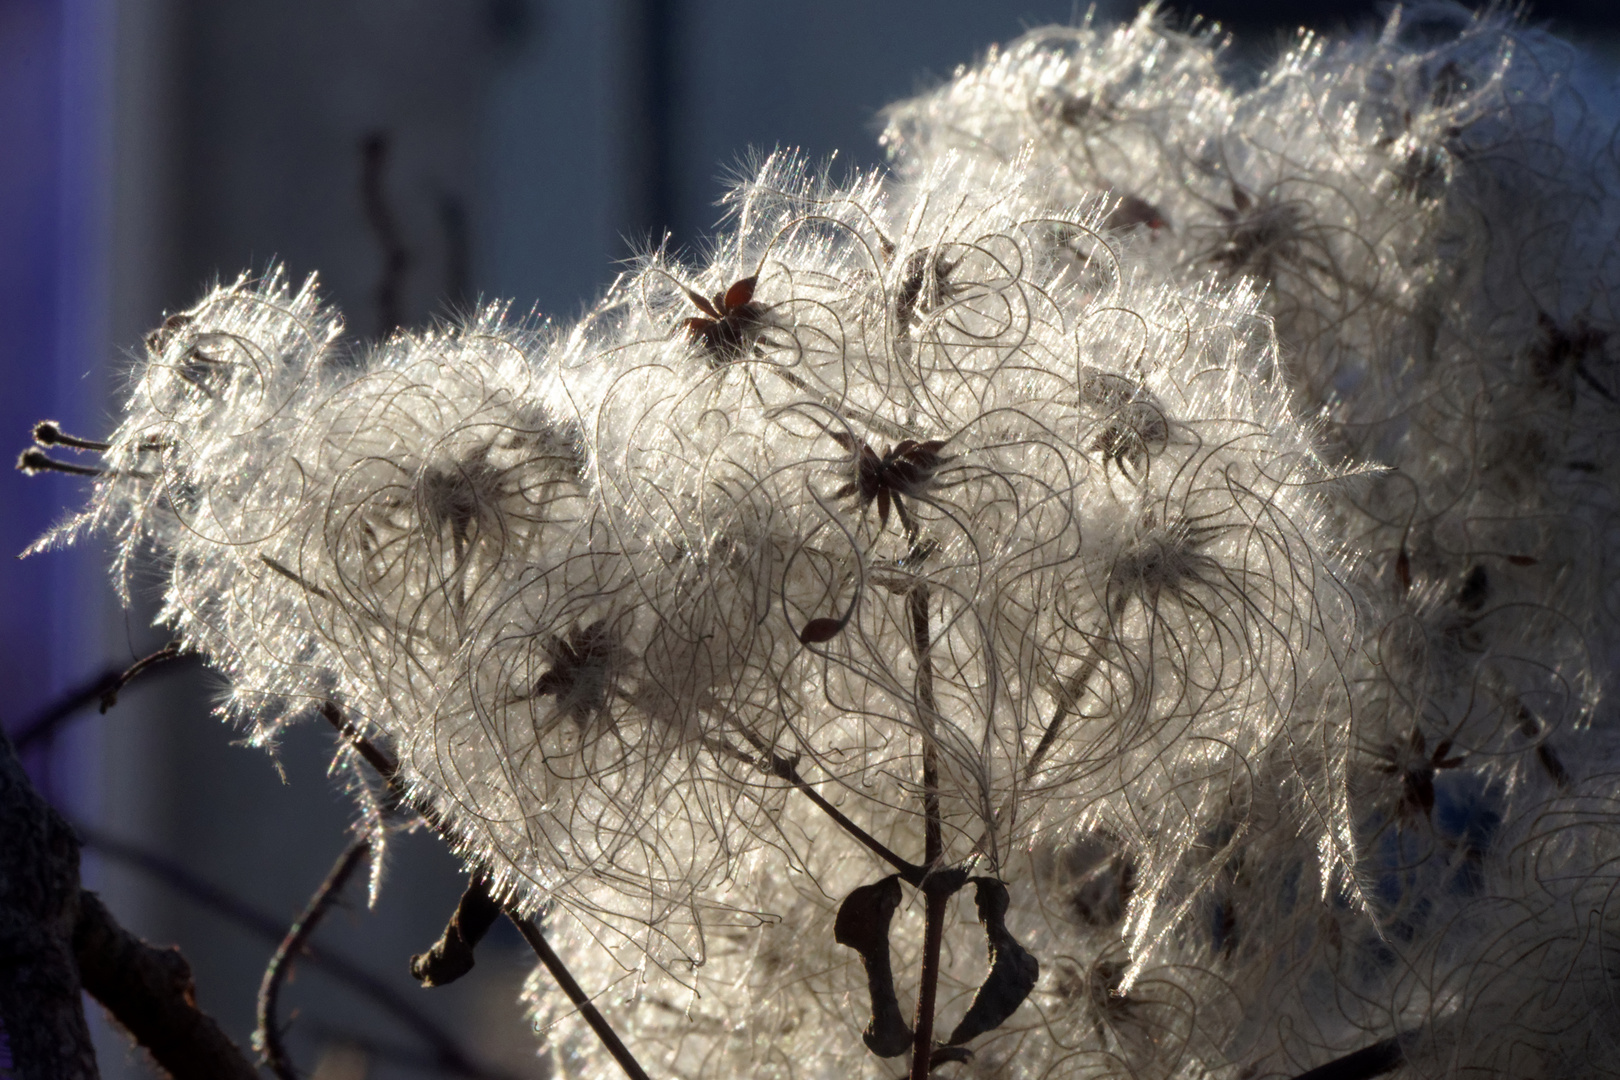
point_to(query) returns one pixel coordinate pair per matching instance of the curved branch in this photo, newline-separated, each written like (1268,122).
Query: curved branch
(267,1037)
(102,687)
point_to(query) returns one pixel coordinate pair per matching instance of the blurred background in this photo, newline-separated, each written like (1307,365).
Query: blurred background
(420,155)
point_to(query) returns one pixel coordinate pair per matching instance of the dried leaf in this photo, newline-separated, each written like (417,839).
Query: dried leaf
(1013,969)
(863,925)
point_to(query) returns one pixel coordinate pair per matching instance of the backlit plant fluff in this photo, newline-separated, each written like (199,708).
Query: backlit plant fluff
(1181,514)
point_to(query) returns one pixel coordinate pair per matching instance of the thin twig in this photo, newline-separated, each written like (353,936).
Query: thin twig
(95,688)
(447,1054)
(50,433)
(786,769)
(109,696)
(910,872)
(593,1016)
(267,1036)
(51,716)
(1074,689)
(33,461)
(385,765)
(295,577)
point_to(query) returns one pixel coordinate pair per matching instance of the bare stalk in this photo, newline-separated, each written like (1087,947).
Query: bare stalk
(1074,688)
(109,696)
(936,889)
(103,687)
(593,1016)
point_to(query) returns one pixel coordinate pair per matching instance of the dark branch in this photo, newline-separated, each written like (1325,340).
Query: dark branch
(385,765)
(34,461)
(295,577)
(559,972)
(267,1037)
(909,872)
(1364,1064)
(388,769)
(936,890)
(51,717)
(150,992)
(788,769)
(109,696)
(1074,688)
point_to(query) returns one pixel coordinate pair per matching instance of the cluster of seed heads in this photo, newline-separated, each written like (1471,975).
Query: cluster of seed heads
(1181,512)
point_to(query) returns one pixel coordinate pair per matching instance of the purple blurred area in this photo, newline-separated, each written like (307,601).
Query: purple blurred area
(520,149)
(53,174)
(31,242)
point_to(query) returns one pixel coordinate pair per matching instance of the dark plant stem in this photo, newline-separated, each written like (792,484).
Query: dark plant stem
(267,1037)
(109,696)
(576,994)
(1364,1064)
(294,577)
(34,461)
(910,872)
(48,719)
(49,433)
(381,762)
(936,890)
(150,992)
(1074,688)
(937,898)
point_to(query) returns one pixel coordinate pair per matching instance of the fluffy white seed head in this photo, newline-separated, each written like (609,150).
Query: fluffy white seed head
(1199,499)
